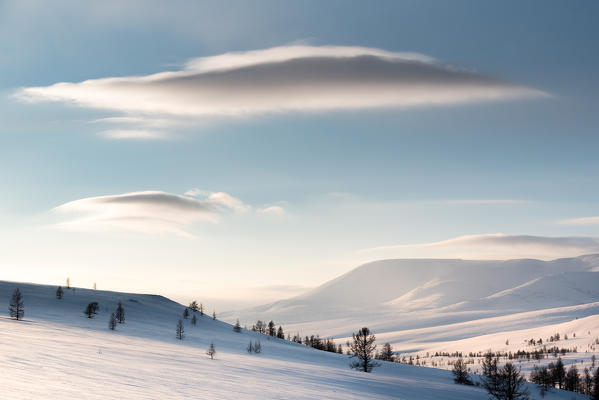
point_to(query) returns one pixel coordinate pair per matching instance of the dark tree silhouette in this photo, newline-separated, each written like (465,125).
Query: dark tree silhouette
(490,378)
(595,394)
(180,331)
(559,373)
(542,377)
(257,347)
(186,313)
(280,333)
(211,351)
(91,309)
(386,353)
(112,322)
(16,307)
(572,381)
(193,306)
(460,372)
(59,293)
(237,327)
(272,329)
(511,383)
(250,347)
(201,309)
(120,313)
(214,315)
(363,348)
(194,320)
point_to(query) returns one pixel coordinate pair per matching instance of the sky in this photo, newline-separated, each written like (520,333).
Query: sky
(241,152)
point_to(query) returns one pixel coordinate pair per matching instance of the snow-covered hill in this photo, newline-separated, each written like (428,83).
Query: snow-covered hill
(57,352)
(393,295)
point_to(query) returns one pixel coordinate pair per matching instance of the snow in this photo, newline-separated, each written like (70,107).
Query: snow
(399,295)
(56,352)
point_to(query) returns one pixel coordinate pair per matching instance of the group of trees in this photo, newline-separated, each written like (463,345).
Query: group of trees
(269,329)
(254,347)
(555,375)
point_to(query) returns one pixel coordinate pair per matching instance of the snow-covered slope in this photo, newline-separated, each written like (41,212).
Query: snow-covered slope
(407,294)
(56,352)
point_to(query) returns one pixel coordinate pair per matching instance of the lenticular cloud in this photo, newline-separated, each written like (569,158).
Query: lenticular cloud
(285,79)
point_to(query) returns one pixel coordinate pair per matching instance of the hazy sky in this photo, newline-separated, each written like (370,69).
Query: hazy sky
(253,149)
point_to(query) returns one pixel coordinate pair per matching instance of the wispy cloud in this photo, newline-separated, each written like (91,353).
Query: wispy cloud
(489,202)
(581,221)
(272,210)
(283,79)
(151,212)
(134,134)
(491,246)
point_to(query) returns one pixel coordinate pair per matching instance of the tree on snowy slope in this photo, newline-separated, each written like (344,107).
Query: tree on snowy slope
(112,322)
(272,330)
(595,395)
(59,293)
(511,383)
(211,351)
(460,372)
(237,327)
(16,308)
(180,330)
(386,353)
(120,313)
(91,309)
(363,348)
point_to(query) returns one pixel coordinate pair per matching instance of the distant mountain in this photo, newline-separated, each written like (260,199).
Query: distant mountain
(418,292)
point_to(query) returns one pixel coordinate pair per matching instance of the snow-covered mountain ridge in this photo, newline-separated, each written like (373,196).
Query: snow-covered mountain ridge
(393,295)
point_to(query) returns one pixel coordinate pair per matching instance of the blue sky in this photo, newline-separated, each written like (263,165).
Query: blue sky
(311,192)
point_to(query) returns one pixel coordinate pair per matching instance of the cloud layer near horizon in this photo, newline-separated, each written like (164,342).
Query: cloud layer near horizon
(492,246)
(287,78)
(147,211)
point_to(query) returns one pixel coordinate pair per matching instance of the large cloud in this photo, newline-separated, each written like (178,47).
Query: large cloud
(492,246)
(288,78)
(148,211)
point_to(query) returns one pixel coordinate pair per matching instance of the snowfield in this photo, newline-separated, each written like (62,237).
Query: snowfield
(58,353)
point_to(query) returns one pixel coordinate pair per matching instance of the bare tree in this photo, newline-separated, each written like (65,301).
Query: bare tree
(214,315)
(16,308)
(460,372)
(512,383)
(211,351)
(363,348)
(112,322)
(180,331)
(68,283)
(120,313)
(193,306)
(91,309)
